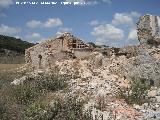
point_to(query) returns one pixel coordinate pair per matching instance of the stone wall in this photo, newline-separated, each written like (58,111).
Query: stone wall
(38,55)
(66,46)
(148,29)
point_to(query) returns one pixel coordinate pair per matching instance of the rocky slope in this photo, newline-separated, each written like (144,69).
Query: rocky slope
(98,79)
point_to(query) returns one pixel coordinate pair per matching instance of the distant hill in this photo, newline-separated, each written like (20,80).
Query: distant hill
(12,49)
(14,44)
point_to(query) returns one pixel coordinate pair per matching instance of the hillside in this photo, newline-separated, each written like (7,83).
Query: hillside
(12,50)
(14,44)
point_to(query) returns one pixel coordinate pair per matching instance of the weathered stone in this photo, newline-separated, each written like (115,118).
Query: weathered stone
(158,92)
(19,81)
(158,98)
(148,29)
(152,93)
(142,66)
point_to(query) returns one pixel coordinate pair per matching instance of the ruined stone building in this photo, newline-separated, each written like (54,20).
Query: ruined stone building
(148,29)
(66,46)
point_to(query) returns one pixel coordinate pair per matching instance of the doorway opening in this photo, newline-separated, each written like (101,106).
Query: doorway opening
(40,61)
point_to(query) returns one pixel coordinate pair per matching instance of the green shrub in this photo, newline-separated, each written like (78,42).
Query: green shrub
(7,77)
(35,111)
(26,94)
(34,88)
(52,82)
(69,108)
(3,111)
(24,102)
(137,93)
(101,103)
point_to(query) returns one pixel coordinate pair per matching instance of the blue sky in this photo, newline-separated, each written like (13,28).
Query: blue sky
(110,22)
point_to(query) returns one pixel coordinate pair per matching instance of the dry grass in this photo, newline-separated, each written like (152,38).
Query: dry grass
(8,67)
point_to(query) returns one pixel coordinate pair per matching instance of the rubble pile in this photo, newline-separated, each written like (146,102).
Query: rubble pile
(99,77)
(93,83)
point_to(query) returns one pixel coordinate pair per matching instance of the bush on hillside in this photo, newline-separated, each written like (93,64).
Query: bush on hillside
(136,93)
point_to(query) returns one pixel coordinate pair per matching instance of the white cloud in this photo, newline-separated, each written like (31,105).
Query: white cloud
(125,18)
(62,30)
(115,32)
(51,22)
(42,40)
(17,36)
(33,37)
(122,18)
(33,24)
(94,23)
(6,30)
(132,34)
(5,3)
(107,33)
(135,14)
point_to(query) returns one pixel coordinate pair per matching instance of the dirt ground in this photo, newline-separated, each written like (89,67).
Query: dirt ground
(9,66)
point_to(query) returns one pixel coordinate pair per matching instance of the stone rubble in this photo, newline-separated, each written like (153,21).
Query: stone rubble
(98,80)
(91,82)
